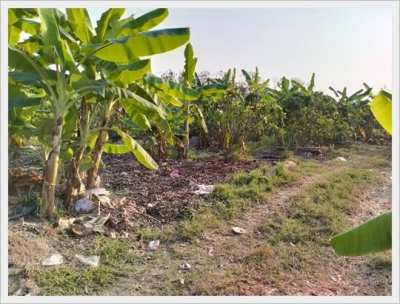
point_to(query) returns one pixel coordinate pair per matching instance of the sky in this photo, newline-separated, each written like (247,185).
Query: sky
(344,46)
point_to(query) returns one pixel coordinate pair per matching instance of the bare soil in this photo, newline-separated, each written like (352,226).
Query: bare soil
(162,196)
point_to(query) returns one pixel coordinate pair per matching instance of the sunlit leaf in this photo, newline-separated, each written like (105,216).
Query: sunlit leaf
(144,44)
(141,155)
(372,236)
(381,107)
(145,22)
(190,64)
(127,74)
(80,22)
(106,18)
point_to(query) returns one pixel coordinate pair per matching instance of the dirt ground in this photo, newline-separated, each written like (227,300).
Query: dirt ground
(220,262)
(165,195)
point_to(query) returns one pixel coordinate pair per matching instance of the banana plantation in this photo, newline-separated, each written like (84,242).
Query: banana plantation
(124,182)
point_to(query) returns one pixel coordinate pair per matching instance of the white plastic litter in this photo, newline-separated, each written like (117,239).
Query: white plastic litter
(98,192)
(92,260)
(204,189)
(341,158)
(238,230)
(54,259)
(153,245)
(185,266)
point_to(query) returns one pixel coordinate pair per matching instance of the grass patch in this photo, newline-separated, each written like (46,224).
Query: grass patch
(319,212)
(266,265)
(195,154)
(245,189)
(116,258)
(242,190)
(67,281)
(114,252)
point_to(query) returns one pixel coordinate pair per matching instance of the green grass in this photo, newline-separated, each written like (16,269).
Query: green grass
(294,240)
(195,154)
(243,190)
(116,259)
(320,211)
(65,280)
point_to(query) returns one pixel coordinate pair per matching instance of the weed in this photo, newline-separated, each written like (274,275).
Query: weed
(114,252)
(69,281)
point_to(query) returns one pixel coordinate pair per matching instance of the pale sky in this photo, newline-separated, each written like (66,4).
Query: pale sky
(343,46)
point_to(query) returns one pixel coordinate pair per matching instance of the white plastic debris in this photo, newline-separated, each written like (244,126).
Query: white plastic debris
(204,189)
(54,259)
(65,223)
(185,266)
(84,205)
(98,192)
(96,224)
(238,230)
(104,200)
(341,158)
(153,245)
(92,260)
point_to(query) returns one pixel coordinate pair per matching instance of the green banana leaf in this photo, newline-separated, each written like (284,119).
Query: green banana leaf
(372,236)
(116,148)
(144,22)
(213,90)
(26,78)
(30,45)
(381,107)
(138,104)
(202,120)
(170,99)
(127,74)
(137,150)
(103,25)
(18,99)
(190,64)
(171,88)
(142,121)
(50,33)
(144,44)
(80,23)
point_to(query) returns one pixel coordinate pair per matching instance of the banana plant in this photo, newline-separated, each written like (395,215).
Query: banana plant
(309,90)
(33,69)
(62,48)
(139,105)
(122,70)
(355,110)
(376,234)
(186,95)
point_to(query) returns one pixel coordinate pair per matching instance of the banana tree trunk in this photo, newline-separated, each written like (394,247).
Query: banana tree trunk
(74,183)
(51,171)
(97,154)
(187,133)
(93,172)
